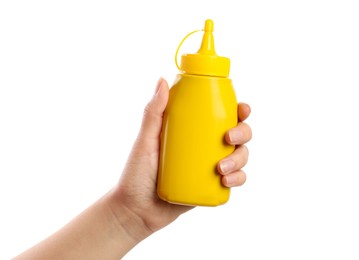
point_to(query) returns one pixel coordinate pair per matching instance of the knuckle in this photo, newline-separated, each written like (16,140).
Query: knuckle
(148,109)
(245,151)
(244,177)
(247,129)
(249,133)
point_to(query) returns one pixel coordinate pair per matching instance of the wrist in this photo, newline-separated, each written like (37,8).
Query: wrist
(126,221)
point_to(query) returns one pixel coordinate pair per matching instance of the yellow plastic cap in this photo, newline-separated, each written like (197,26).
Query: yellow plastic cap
(206,61)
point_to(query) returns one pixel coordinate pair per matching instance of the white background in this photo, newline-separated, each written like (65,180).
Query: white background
(76,75)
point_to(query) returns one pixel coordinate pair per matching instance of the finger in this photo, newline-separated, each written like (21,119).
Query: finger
(152,117)
(234,162)
(244,111)
(237,178)
(238,135)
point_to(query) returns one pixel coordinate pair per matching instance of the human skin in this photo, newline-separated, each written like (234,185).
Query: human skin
(132,211)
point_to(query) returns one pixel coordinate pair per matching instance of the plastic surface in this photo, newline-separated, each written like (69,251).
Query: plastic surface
(200,110)
(206,61)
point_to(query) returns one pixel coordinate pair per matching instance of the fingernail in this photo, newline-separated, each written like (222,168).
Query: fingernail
(226,165)
(230,180)
(158,87)
(235,136)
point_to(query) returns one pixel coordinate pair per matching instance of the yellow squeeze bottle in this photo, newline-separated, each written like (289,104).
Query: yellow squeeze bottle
(202,107)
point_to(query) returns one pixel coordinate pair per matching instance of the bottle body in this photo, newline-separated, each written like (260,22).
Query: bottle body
(200,110)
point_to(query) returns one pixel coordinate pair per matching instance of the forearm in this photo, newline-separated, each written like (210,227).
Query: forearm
(97,233)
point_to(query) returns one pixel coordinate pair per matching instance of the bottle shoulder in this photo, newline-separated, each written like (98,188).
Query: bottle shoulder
(202,86)
(203,95)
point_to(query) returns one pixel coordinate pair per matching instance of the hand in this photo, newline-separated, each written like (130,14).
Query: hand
(136,189)
(131,211)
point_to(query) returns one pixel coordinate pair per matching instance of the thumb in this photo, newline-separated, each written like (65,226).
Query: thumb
(153,114)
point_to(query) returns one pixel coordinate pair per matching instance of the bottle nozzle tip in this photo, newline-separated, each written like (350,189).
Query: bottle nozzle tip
(208,26)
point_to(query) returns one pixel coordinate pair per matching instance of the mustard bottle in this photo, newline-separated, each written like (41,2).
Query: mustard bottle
(201,108)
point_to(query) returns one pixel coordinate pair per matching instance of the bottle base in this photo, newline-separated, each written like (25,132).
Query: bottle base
(195,202)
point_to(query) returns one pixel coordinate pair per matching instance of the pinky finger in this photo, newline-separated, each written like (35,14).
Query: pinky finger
(237,178)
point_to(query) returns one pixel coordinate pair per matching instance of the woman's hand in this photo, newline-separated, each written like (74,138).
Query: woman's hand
(131,211)
(136,189)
